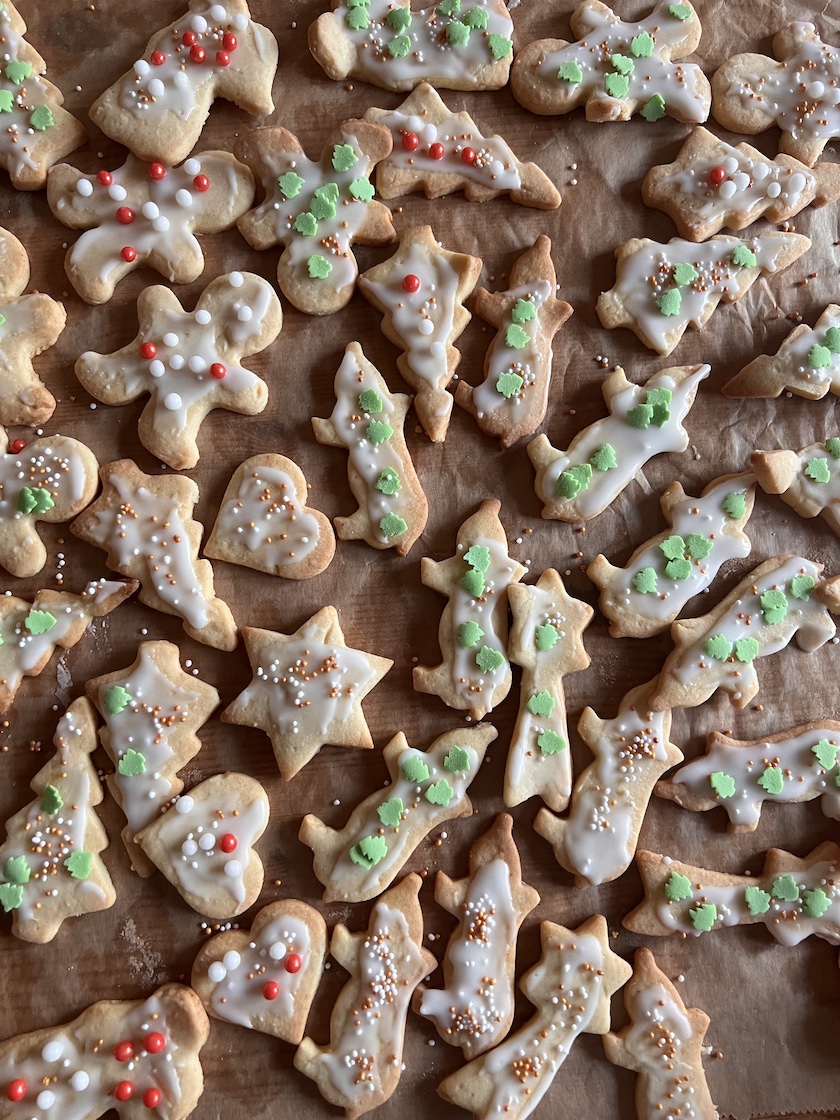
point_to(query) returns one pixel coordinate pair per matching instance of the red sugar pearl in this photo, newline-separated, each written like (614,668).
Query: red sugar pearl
(104,178)
(188,39)
(436,151)
(128,254)
(198,54)
(157,170)
(468,155)
(17,445)
(716,176)
(158,58)
(151,1098)
(229,41)
(125,215)
(201,183)
(124,1091)
(410,141)
(222,58)
(293,962)
(153,1043)
(148,350)
(124,1051)
(411,283)
(271,990)
(228,842)
(16,1090)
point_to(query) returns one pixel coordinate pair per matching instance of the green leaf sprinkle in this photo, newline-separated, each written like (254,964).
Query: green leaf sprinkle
(604,458)
(825,754)
(703,917)
(457,761)
(473,582)
(645,581)
(477,19)
(305,224)
(291,184)
(370,401)
(414,769)
(399,47)
(132,764)
(489,660)
(361,190)
(392,525)
(640,415)
(379,431)
(746,650)
(832,446)
(669,302)
(816,902)
(500,47)
(817,470)
(774,605)
(357,19)
(617,85)
(832,339)
(550,742)
(786,888)
(678,569)
(819,357)
(79,864)
(801,587)
(509,384)
(478,557)
(772,780)
(685,273)
(17,72)
(573,480)
(757,900)
(516,337)
(7,101)
(678,887)
(324,202)
(389,482)
(439,793)
(570,72)
(343,157)
(679,11)
(35,500)
(39,622)
(622,64)
(743,257)
(735,505)
(51,800)
(369,851)
(545,637)
(722,784)
(457,33)
(390,812)
(469,635)
(523,311)
(542,704)
(641,45)
(11,896)
(718,646)
(17,869)
(116,700)
(654,108)
(399,19)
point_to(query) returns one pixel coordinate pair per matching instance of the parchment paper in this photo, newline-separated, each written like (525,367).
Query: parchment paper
(775,1012)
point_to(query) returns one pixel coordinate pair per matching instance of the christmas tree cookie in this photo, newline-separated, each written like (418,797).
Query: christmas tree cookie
(50,867)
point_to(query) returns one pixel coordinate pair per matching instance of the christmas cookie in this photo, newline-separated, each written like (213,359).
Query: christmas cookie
(50,867)
(264,522)
(617,69)
(808,480)
(28,326)
(752,92)
(739,775)
(420,291)
(511,401)
(794,898)
(145,525)
(512,1079)
(266,979)
(369,421)
(361,1067)
(662,290)
(455,44)
(317,210)
(189,361)
(663,1045)
(712,184)
(475,674)
(50,479)
(781,599)
(307,690)
(427,788)
(806,363)
(474,1009)
(30,631)
(162,103)
(603,459)
(145,214)
(204,844)
(128,1058)
(152,711)
(37,131)
(440,152)
(645,596)
(597,840)
(546,640)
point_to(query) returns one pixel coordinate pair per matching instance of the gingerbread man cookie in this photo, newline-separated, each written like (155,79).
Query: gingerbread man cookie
(807,363)
(146,214)
(808,480)
(189,361)
(317,210)
(162,103)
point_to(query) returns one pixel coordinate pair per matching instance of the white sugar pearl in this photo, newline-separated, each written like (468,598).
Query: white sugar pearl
(236,279)
(184,804)
(426,326)
(741,181)
(176,361)
(496,166)
(730,165)
(197,364)
(207,842)
(216,972)
(233,868)
(171,339)
(414,123)
(240,21)
(760,172)
(156,87)
(203,317)
(429,133)
(437,350)
(84,187)
(192,167)
(773,190)
(150,210)
(199,24)
(161,224)
(244,314)
(52,1051)
(232,960)
(79,1081)
(277,951)
(218,11)
(727,189)
(816,89)
(183,198)
(116,192)
(45,1100)
(189,847)
(157,368)
(141,68)
(172,401)
(797,182)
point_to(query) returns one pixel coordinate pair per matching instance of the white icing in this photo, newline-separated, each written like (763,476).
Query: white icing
(265,515)
(19,140)
(529,362)
(52,464)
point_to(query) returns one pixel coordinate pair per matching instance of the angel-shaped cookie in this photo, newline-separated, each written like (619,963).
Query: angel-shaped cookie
(808,480)
(511,401)
(645,596)
(307,690)
(146,214)
(546,640)
(616,69)
(162,103)
(369,420)
(28,325)
(807,363)
(475,674)
(439,152)
(146,526)
(603,459)
(317,210)
(420,291)
(661,290)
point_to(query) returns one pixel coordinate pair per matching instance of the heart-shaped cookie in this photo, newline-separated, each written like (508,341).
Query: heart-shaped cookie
(265,979)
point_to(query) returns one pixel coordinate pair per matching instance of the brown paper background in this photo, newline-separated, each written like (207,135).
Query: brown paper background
(775,1012)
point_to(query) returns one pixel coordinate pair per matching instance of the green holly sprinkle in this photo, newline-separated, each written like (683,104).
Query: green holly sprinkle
(772,780)
(570,72)
(449,8)
(685,273)
(573,480)
(473,582)
(11,896)
(319,267)
(509,384)
(550,742)
(617,85)
(757,900)
(7,101)
(500,47)
(622,64)
(541,704)
(370,401)
(390,813)
(660,402)
(735,505)
(116,700)
(132,764)
(79,864)
(832,446)
(357,19)
(718,646)
(819,357)
(34,501)
(545,637)
(389,482)
(457,33)
(523,311)
(305,224)
(679,11)
(457,761)
(489,660)
(343,158)
(399,19)
(516,337)
(669,302)
(477,19)
(704,916)
(324,202)
(642,45)
(816,902)
(774,605)
(51,800)
(678,887)
(604,458)
(379,431)
(369,851)
(640,415)
(392,525)
(478,557)
(17,72)
(825,753)
(414,769)
(654,108)
(469,635)
(722,784)
(786,888)
(361,190)
(17,869)
(399,47)
(439,793)
(746,650)
(678,569)
(801,587)
(39,622)
(743,257)
(645,581)
(832,339)
(291,184)
(817,470)
(41,118)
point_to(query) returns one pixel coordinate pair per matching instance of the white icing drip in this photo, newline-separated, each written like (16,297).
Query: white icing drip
(658,1034)
(266,515)
(502,358)
(747,182)
(468,678)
